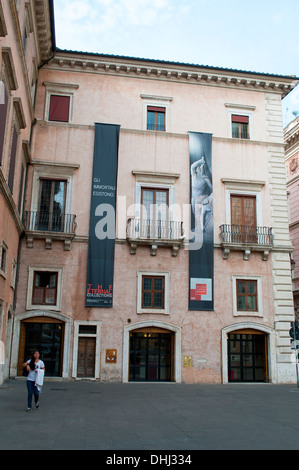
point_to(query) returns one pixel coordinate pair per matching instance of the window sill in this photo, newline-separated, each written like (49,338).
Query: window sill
(54,308)
(247,314)
(152,312)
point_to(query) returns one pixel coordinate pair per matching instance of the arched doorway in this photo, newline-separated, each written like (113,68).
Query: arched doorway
(151,355)
(247,356)
(47,335)
(247,353)
(152,352)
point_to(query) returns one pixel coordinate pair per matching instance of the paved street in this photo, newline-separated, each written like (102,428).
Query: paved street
(89,415)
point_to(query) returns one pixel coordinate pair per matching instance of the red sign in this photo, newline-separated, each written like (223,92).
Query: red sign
(195,294)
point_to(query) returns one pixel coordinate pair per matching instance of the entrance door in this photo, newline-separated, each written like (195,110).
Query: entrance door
(247,358)
(151,357)
(86,357)
(47,338)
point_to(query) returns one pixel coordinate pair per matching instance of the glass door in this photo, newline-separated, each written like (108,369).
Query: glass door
(247,358)
(47,338)
(151,357)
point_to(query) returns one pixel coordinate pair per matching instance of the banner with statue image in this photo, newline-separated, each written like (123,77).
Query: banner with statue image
(201,243)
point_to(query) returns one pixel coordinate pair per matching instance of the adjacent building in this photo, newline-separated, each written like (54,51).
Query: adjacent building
(154,242)
(26,43)
(292,155)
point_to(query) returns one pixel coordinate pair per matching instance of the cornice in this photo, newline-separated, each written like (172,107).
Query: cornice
(127,67)
(291,135)
(43,29)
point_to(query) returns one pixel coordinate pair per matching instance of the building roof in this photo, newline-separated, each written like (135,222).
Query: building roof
(178,64)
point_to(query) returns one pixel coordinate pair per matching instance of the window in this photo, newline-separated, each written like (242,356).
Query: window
(13,155)
(87,329)
(3,258)
(52,199)
(153,292)
(156,118)
(246,295)
(21,188)
(44,288)
(13,274)
(59,101)
(240,126)
(243,210)
(59,109)
(3,115)
(243,218)
(154,213)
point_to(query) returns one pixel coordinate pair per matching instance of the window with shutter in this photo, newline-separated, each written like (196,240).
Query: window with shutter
(240,127)
(156,118)
(59,108)
(44,288)
(243,218)
(12,163)
(3,116)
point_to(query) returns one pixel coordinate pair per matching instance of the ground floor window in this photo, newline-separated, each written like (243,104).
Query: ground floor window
(247,357)
(151,356)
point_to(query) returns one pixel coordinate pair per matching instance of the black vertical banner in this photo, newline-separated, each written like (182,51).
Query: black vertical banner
(201,243)
(100,269)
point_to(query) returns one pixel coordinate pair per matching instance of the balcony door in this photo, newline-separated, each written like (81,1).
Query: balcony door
(243,218)
(154,215)
(51,205)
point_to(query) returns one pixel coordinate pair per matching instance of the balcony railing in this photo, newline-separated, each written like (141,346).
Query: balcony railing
(49,222)
(158,229)
(155,233)
(246,234)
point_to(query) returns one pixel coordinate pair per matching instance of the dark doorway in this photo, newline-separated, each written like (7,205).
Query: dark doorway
(247,358)
(48,339)
(151,357)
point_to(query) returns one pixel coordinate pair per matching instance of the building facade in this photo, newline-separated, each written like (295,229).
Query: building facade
(150,318)
(25,43)
(150,333)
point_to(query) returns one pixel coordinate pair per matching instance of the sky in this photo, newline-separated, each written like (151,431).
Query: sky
(257,36)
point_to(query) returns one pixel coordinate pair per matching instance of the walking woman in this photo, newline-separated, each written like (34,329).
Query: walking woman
(33,365)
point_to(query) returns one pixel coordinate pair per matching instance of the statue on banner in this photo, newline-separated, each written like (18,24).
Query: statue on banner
(201,197)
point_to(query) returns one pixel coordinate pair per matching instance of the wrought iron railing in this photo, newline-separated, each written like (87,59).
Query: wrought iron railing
(49,222)
(154,229)
(247,234)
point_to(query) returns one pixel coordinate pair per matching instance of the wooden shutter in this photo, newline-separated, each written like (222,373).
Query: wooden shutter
(59,108)
(243,210)
(243,219)
(238,118)
(3,115)
(12,164)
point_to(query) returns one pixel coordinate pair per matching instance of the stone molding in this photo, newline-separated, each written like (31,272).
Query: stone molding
(146,68)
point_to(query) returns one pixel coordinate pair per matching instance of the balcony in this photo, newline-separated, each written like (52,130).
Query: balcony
(246,238)
(155,234)
(49,226)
